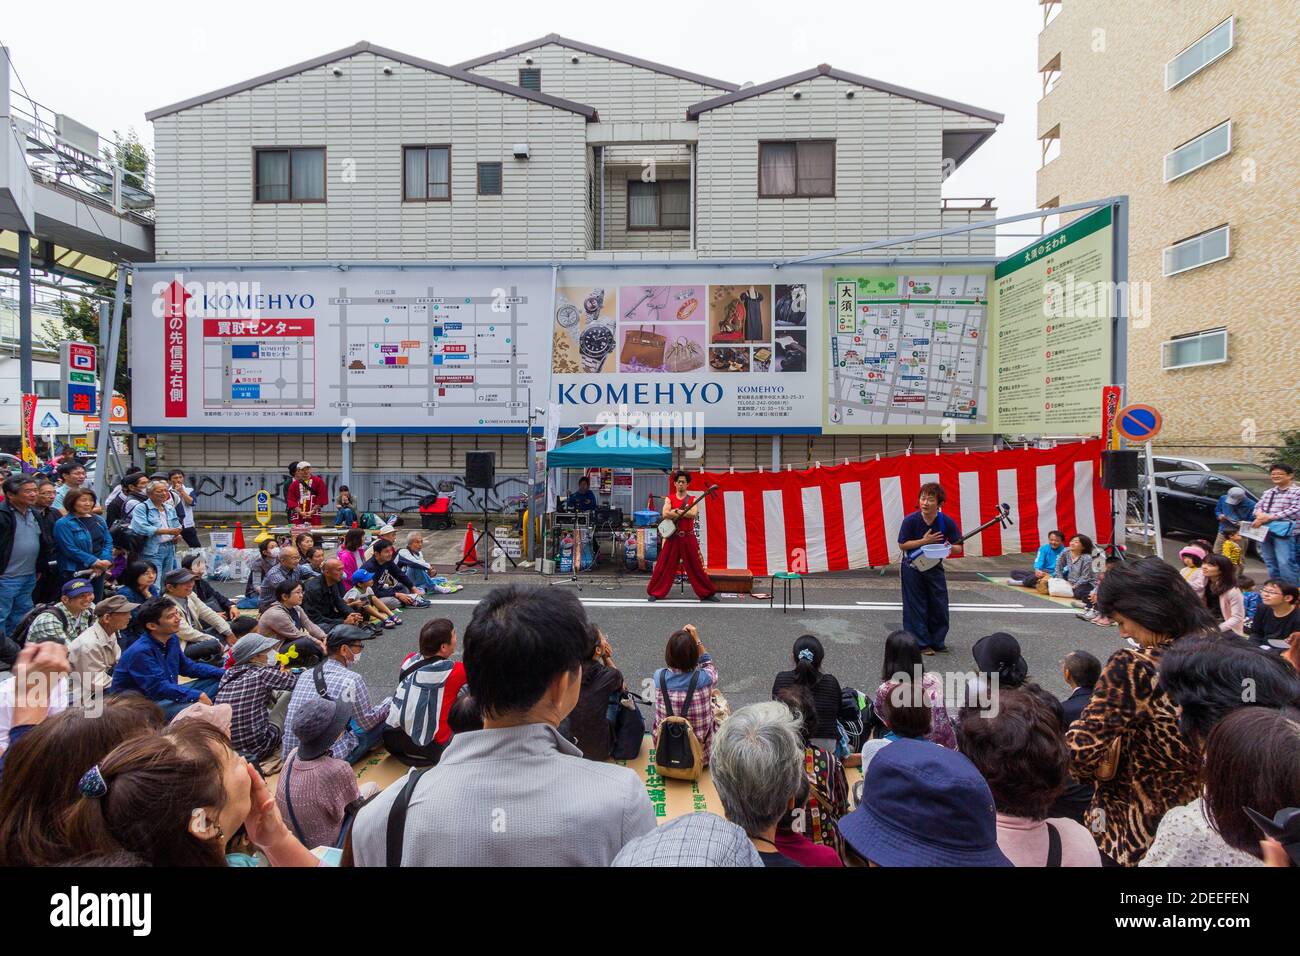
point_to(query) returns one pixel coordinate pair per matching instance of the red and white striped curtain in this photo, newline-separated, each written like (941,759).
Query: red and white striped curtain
(847,516)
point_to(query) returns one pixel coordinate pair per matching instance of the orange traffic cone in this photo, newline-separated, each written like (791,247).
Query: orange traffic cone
(469,554)
(238,540)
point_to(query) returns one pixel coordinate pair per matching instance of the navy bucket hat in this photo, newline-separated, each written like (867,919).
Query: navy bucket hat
(924,805)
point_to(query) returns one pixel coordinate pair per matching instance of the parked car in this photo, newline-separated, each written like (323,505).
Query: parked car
(1166,463)
(1187,499)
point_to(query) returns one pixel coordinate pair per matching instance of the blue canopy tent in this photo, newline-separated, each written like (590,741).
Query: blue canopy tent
(612,447)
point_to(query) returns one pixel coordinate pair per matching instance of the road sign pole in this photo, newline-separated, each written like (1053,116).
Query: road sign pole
(107,375)
(1155,505)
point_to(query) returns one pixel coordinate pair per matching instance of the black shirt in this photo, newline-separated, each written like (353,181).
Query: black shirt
(826,695)
(1268,626)
(588,721)
(776,859)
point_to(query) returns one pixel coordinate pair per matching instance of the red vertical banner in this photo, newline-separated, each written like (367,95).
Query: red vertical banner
(1110,397)
(175,402)
(28,430)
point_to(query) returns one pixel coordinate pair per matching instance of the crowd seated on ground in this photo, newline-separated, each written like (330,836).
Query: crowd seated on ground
(1155,757)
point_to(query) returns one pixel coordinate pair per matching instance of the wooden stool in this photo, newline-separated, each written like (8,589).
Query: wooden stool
(786,578)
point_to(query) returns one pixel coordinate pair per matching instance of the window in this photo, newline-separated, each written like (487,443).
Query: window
(296,174)
(1205,148)
(1187,484)
(531,80)
(660,205)
(1218,487)
(1197,251)
(46,388)
(426,173)
(1200,54)
(489,179)
(1199,348)
(796,169)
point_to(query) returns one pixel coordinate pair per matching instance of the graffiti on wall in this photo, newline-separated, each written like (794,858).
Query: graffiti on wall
(234,493)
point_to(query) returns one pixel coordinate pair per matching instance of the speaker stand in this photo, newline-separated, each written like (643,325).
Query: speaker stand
(487,533)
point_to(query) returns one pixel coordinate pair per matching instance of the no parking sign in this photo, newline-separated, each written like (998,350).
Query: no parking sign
(1138,422)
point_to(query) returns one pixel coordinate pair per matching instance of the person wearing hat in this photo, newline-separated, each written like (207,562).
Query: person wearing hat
(95,651)
(335,679)
(318,792)
(361,598)
(390,581)
(999,664)
(198,621)
(923,805)
(1231,510)
(305,495)
(386,532)
(63,622)
(257,691)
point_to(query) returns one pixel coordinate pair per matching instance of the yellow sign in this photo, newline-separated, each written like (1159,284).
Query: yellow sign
(263,511)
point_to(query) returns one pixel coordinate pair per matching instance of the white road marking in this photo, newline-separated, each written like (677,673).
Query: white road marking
(763,606)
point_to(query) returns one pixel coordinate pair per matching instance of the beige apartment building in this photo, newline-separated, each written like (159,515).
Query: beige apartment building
(1189,108)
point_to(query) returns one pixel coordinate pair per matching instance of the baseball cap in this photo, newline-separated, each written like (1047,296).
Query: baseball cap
(179,576)
(362,575)
(347,634)
(77,587)
(114,604)
(1236,495)
(924,805)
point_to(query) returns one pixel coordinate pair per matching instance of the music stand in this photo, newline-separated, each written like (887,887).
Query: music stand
(486,533)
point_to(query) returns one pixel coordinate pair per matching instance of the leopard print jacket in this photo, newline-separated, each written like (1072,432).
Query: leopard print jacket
(1157,768)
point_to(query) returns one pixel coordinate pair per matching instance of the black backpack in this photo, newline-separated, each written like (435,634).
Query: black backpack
(677,750)
(19,636)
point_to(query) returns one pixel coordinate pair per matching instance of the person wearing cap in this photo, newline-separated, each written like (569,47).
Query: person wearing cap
(999,664)
(1231,510)
(305,495)
(288,567)
(334,678)
(390,581)
(157,522)
(198,621)
(64,622)
(318,793)
(696,839)
(923,805)
(154,664)
(287,623)
(385,532)
(258,694)
(95,651)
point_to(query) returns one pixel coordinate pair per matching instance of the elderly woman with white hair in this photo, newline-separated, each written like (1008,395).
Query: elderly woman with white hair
(757,768)
(156,521)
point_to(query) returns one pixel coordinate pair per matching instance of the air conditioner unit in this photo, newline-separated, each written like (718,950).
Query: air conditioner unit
(520,150)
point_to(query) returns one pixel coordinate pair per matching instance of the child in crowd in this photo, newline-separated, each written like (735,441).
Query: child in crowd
(1232,549)
(1192,556)
(345,509)
(1089,603)
(361,597)
(1249,597)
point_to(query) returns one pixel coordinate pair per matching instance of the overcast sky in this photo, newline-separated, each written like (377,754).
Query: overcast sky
(119,61)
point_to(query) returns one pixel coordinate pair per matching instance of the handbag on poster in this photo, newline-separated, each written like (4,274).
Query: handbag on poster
(644,348)
(684,356)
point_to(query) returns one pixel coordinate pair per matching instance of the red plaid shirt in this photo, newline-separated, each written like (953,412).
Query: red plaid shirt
(1282,504)
(700,714)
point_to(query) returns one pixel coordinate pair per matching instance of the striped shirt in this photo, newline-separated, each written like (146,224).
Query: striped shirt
(1282,503)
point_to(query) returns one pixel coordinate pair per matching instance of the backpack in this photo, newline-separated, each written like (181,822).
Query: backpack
(413,718)
(677,750)
(627,724)
(19,636)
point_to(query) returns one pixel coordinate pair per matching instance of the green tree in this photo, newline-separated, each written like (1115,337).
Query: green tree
(79,322)
(1290,450)
(131,154)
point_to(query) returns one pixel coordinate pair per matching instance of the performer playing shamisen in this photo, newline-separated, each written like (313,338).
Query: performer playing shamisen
(681,548)
(925,593)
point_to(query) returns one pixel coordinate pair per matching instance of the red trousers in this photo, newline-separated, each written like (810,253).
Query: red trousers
(682,548)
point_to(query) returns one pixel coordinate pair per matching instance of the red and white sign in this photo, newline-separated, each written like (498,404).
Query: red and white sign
(81,357)
(262,328)
(1110,399)
(175,404)
(847,516)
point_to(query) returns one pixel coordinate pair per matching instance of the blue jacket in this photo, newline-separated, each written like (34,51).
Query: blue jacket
(1231,516)
(1046,560)
(154,669)
(74,546)
(146,518)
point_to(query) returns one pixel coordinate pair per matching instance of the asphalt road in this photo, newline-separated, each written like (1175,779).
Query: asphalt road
(750,642)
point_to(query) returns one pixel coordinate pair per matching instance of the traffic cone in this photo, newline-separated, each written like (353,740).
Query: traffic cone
(238,540)
(469,555)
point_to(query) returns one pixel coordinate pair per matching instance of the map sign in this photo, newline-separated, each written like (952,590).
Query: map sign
(446,350)
(907,352)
